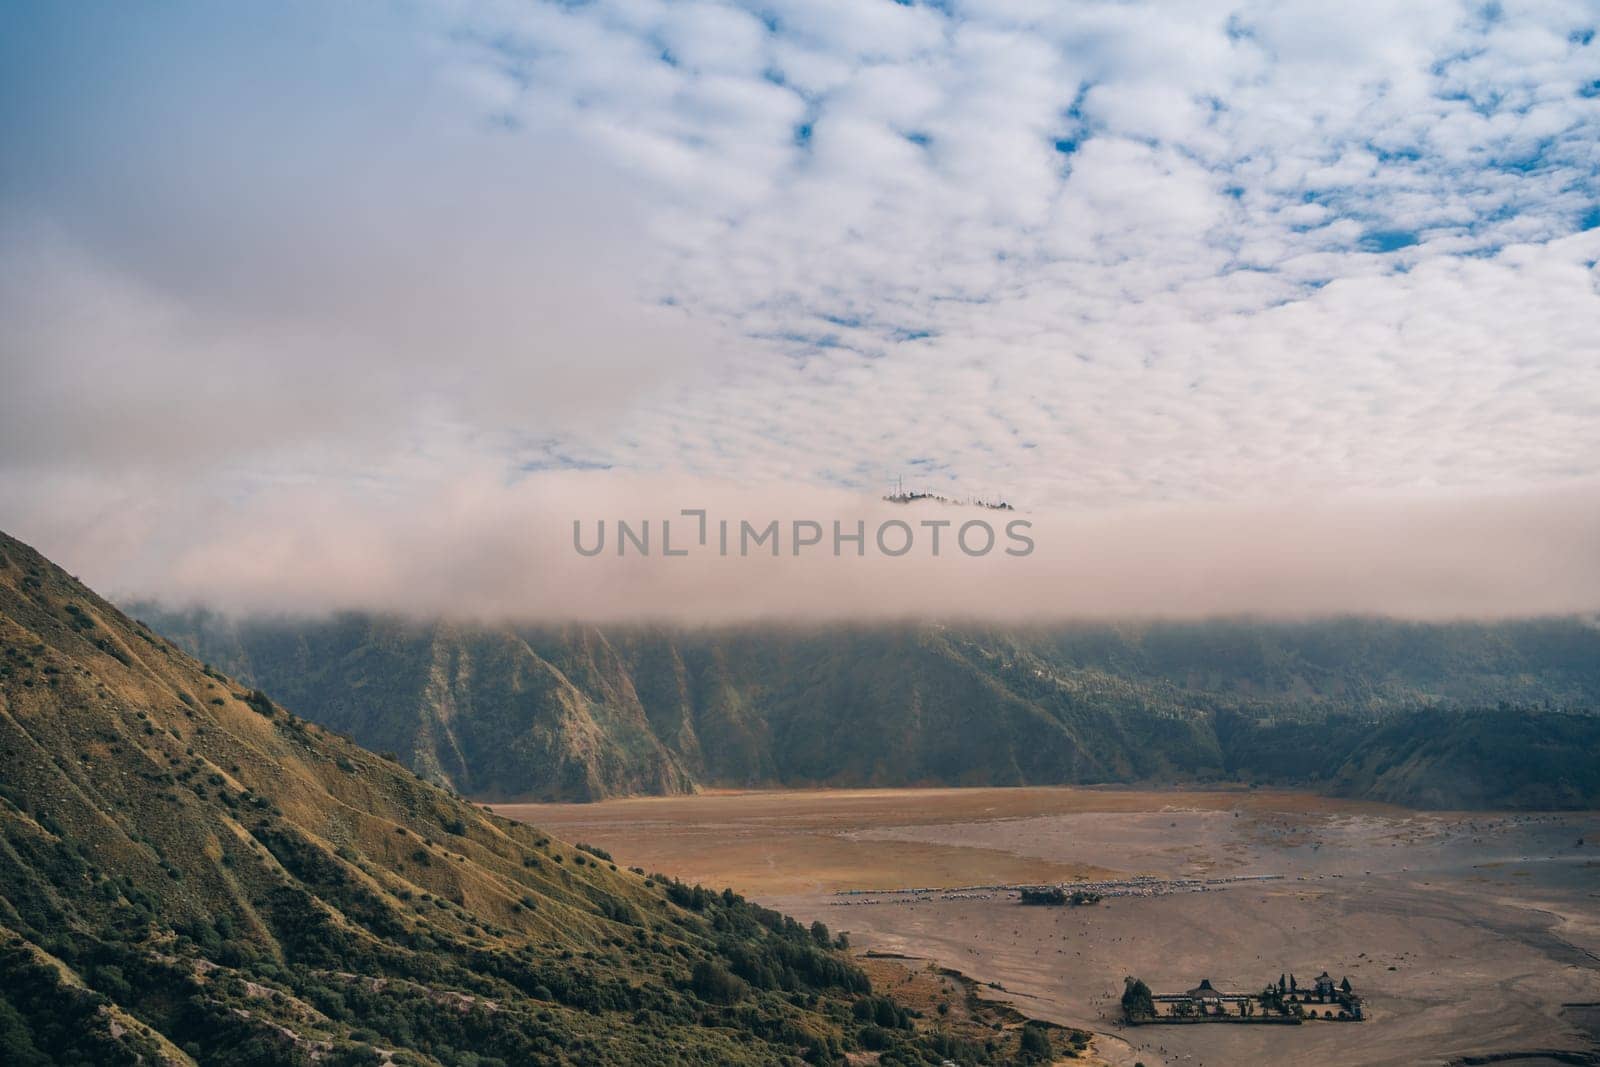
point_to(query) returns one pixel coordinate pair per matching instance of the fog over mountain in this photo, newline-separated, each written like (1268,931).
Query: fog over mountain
(481,549)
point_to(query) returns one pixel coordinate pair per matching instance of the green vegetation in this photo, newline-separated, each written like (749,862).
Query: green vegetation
(1445,715)
(1035,1045)
(1057,896)
(1044,895)
(189,874)
(1137,1001)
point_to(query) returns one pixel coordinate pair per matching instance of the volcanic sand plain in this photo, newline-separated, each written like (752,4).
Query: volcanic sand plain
(1467,934)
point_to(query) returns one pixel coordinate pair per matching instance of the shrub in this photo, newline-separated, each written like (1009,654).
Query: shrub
(713,984)
(1035,1044)
(874,1038)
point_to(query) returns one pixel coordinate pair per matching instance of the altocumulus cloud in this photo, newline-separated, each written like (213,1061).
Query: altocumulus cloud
(1105,251)
(1088,256)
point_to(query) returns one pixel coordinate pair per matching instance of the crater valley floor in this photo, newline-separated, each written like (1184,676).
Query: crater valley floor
(1467,933)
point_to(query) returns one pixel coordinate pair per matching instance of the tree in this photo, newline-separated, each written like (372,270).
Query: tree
(1136,1000)
(819,933)
(1035,1044)
(712,983)
(1344,986)
(875,1038)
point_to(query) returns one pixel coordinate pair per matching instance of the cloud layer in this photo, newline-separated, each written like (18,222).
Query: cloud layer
(1097,252)
(474,547)
(1096,258)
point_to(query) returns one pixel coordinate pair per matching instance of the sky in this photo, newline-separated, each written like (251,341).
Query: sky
(309,277)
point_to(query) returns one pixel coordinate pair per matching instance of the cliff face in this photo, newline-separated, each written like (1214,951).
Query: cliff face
(191,874)
(1361,706)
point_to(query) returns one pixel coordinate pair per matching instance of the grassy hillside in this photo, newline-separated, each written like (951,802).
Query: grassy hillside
(190,874)
(1360,706)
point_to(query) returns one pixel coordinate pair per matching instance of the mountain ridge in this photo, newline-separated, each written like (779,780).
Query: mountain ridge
(662,709)
(190,873)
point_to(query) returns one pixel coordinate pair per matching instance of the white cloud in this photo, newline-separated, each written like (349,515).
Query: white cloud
(1060,224)
(1082,254)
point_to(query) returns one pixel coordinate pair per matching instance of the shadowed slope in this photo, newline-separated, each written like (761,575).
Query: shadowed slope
(1363,707)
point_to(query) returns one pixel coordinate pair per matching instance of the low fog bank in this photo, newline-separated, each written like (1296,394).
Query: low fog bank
(483,549)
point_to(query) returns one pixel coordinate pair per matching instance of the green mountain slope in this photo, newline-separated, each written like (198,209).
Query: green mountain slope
(1358,706)
(190,874)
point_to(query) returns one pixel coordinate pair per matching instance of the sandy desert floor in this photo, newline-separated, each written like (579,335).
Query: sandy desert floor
(1466,934)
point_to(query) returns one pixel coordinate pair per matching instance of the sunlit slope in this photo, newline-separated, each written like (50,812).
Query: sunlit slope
(190,873)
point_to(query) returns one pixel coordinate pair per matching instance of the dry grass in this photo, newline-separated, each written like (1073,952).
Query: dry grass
(950,1002)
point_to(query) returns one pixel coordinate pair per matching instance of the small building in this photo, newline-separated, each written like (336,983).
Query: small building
(1205,994)
(1325,986)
